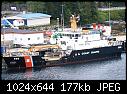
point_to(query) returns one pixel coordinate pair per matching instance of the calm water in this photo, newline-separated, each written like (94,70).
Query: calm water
(114,69)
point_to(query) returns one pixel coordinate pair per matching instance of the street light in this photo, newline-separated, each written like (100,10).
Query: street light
(62,17)
(58,23)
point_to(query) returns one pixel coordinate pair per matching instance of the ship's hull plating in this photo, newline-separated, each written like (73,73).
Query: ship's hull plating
(24,62)
(76,56)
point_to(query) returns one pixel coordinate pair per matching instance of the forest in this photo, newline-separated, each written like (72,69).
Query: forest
(88,11)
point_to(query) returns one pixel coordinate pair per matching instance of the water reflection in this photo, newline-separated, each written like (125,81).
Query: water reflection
(113,69)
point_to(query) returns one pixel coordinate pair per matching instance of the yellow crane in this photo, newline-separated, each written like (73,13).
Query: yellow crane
(43,47)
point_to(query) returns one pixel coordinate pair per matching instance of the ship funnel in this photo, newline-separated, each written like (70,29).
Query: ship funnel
(73,23)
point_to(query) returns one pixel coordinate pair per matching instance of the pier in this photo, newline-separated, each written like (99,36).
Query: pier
(123,39)
(120,37)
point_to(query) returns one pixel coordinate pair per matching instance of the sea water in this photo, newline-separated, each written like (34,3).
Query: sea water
(113,69)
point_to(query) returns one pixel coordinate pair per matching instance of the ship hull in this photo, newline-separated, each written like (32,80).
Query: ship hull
(88,55)
(25,61)
(124,46)
(76,56)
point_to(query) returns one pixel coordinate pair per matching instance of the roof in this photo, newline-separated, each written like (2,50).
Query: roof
(33,15)
(14,17)
(19,31)
(13,30)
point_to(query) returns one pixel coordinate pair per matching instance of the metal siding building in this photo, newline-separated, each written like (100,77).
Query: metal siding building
(36,19)
(37,22)
(29,19)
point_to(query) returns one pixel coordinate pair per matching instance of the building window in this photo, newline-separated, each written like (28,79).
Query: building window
(15,38)
(86,38)
(28,38)
(38,38)
(20,38)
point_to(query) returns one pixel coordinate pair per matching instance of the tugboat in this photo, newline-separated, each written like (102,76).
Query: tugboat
(72,45)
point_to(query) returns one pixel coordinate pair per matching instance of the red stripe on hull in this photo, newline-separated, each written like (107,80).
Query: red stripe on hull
(28,61)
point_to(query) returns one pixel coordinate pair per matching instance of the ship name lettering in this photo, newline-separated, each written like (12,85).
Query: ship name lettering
(85,53)
(119,47)
(13,62)
(93,52)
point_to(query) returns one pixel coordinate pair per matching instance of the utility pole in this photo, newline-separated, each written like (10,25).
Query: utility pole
(62,17)
(109,13)
(58,23)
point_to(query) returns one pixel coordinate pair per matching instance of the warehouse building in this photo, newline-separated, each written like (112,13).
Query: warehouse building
(24,37)
(27,19)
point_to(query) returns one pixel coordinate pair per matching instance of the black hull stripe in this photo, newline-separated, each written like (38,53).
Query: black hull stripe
(82,61)
(104,53)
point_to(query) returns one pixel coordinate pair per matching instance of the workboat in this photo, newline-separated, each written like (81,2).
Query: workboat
(69,46)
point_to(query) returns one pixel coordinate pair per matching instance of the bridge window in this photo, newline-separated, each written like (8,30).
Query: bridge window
(28,38)
(38,38)
(63,42)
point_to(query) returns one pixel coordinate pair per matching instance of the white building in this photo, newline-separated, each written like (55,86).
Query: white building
(24,38)
(112,8)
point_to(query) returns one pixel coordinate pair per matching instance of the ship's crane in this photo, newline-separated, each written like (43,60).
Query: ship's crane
(43,47)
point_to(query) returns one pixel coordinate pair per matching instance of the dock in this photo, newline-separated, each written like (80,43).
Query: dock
(120,37)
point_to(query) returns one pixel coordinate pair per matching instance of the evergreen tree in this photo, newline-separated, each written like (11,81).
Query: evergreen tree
(88,11)
(35,6)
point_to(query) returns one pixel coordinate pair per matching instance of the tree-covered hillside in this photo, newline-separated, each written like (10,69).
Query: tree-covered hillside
(88,11)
